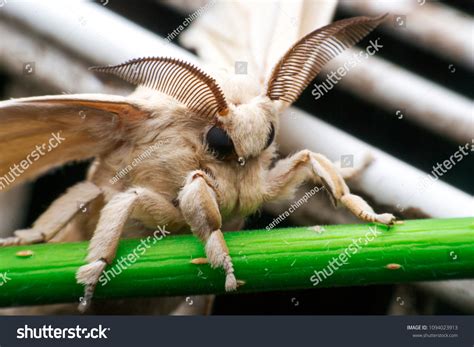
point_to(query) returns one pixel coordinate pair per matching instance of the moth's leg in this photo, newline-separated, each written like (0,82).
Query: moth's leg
(104,243)
(163,211)
(198,204)
(291,172)
(57,216)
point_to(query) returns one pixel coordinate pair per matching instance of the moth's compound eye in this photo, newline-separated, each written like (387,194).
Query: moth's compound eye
(271,137)
(219,142)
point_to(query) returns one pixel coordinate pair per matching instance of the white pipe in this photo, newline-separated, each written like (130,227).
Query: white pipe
(433,26)
(459,293)
(99,34)
(407,95)
(53,68)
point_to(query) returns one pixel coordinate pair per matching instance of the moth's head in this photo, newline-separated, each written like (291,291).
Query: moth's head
(247,126)
(250,120)
(242,119)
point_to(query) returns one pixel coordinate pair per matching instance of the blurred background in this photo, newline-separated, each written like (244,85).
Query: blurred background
(409,107)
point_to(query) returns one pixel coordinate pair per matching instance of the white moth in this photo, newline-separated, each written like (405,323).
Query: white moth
(213,146)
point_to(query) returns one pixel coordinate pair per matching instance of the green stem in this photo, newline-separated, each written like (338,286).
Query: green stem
(280,259)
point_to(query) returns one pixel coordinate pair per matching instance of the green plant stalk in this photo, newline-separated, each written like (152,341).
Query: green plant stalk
(279,259)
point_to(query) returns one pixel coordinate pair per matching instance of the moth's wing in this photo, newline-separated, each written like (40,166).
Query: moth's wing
(257,33)
(40,133)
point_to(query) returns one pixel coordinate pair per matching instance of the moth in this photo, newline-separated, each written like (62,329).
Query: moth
(213,157)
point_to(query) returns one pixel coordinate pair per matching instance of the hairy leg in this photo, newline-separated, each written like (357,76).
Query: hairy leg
(198,204)
(291,172)
(104,243)
(57,216)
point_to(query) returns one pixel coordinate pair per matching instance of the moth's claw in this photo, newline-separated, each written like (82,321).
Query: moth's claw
(386,218)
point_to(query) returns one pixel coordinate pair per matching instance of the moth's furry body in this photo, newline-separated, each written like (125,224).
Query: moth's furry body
(179,149)
(212,158)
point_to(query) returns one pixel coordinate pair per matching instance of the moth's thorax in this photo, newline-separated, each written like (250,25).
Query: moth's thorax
(163,166)
(241,188)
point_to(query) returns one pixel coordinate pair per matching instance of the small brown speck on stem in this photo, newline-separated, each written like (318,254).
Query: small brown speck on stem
(393,266)
(199,261)
(24,254)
